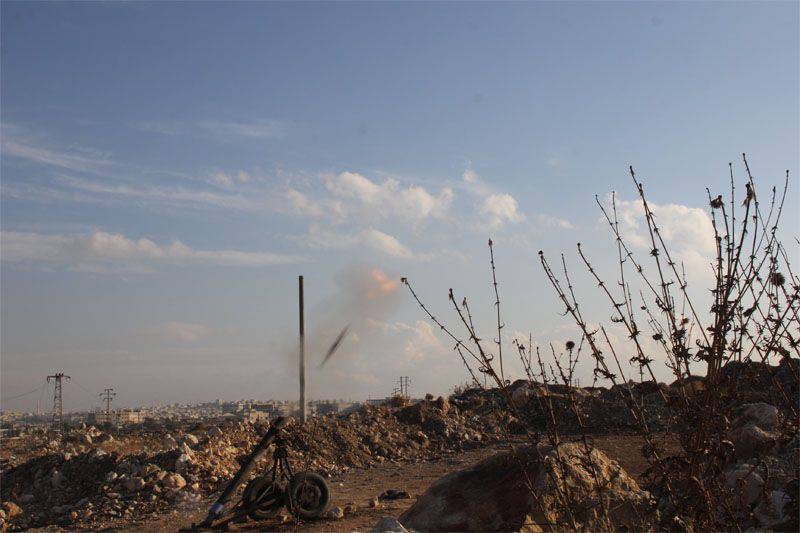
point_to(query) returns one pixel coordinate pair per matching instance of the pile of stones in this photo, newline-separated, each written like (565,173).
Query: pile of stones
(75,483)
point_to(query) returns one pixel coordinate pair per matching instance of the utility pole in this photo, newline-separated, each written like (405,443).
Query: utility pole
(108,396)
(58,400)
(303,413)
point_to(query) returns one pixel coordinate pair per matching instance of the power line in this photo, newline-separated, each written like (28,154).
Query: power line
(89,393)
(37,389)
(41,397)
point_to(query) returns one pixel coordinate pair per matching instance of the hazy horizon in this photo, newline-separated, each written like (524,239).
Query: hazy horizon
(168,170)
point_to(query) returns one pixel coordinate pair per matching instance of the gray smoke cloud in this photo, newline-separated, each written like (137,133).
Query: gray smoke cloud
(338,327)
(363,293)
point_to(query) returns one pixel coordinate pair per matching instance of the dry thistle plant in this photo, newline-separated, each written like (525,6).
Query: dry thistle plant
(746,344)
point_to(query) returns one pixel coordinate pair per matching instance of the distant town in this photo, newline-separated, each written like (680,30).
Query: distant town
(249,410)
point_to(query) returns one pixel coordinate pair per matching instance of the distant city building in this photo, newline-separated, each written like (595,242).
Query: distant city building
(326,407)
(378,401)
(118,418)
(251,415)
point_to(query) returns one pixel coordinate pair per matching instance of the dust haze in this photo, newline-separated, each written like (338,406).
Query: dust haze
(363,295)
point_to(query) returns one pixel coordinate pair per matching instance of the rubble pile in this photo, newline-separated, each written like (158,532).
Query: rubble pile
(759,479)
(516,491)
(374,434)
(756,486)
(90,488)
(95,488)
(603,410)
(90,479)
(764,383)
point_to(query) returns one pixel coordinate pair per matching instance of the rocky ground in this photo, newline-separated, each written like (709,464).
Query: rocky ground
(83,482)
(355,491)
(89,478)
(152,479)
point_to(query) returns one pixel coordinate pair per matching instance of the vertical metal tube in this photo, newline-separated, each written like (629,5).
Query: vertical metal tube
(303,413)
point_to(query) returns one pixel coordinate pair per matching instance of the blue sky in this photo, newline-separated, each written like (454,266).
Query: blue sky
(169,169)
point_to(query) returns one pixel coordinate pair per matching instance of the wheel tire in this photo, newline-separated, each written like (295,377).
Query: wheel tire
(268,503)
(310,495)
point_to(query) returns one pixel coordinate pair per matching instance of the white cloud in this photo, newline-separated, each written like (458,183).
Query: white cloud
(115,182)
(686,227)
(495,208)
(499,209)
(257,129)
(164,127)
(470,176)
(423,342)
(180,196)
(99,249)
(320,237)
(179,331)
(390,197)
(345,195)
(77,160)
(226,179)
(260,129)
(553,222)
(302,204)
(221,178)
(355,186)
(687,231)
(419,339)
(383,242)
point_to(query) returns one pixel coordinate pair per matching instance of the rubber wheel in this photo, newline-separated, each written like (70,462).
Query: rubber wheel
(262,491)
(309,495)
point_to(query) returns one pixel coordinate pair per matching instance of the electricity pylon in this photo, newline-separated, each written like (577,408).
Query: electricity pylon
(58,400)
(108,396)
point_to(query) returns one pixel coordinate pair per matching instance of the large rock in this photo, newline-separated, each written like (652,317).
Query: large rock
(761,414)
(183,462)
(389,524)
(751,441)
(772,512)
(335,513)
(56,479)
(174,481)
(754,431)
(11,509)
(134,484)
(430,414)
(524,490)
(745,482)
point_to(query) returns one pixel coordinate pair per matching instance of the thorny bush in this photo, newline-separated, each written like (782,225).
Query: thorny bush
(747,340)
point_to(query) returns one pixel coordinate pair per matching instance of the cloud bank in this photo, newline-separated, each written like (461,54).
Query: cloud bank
(98,249)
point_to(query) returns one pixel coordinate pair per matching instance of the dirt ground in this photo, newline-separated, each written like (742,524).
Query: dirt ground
(360,486)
